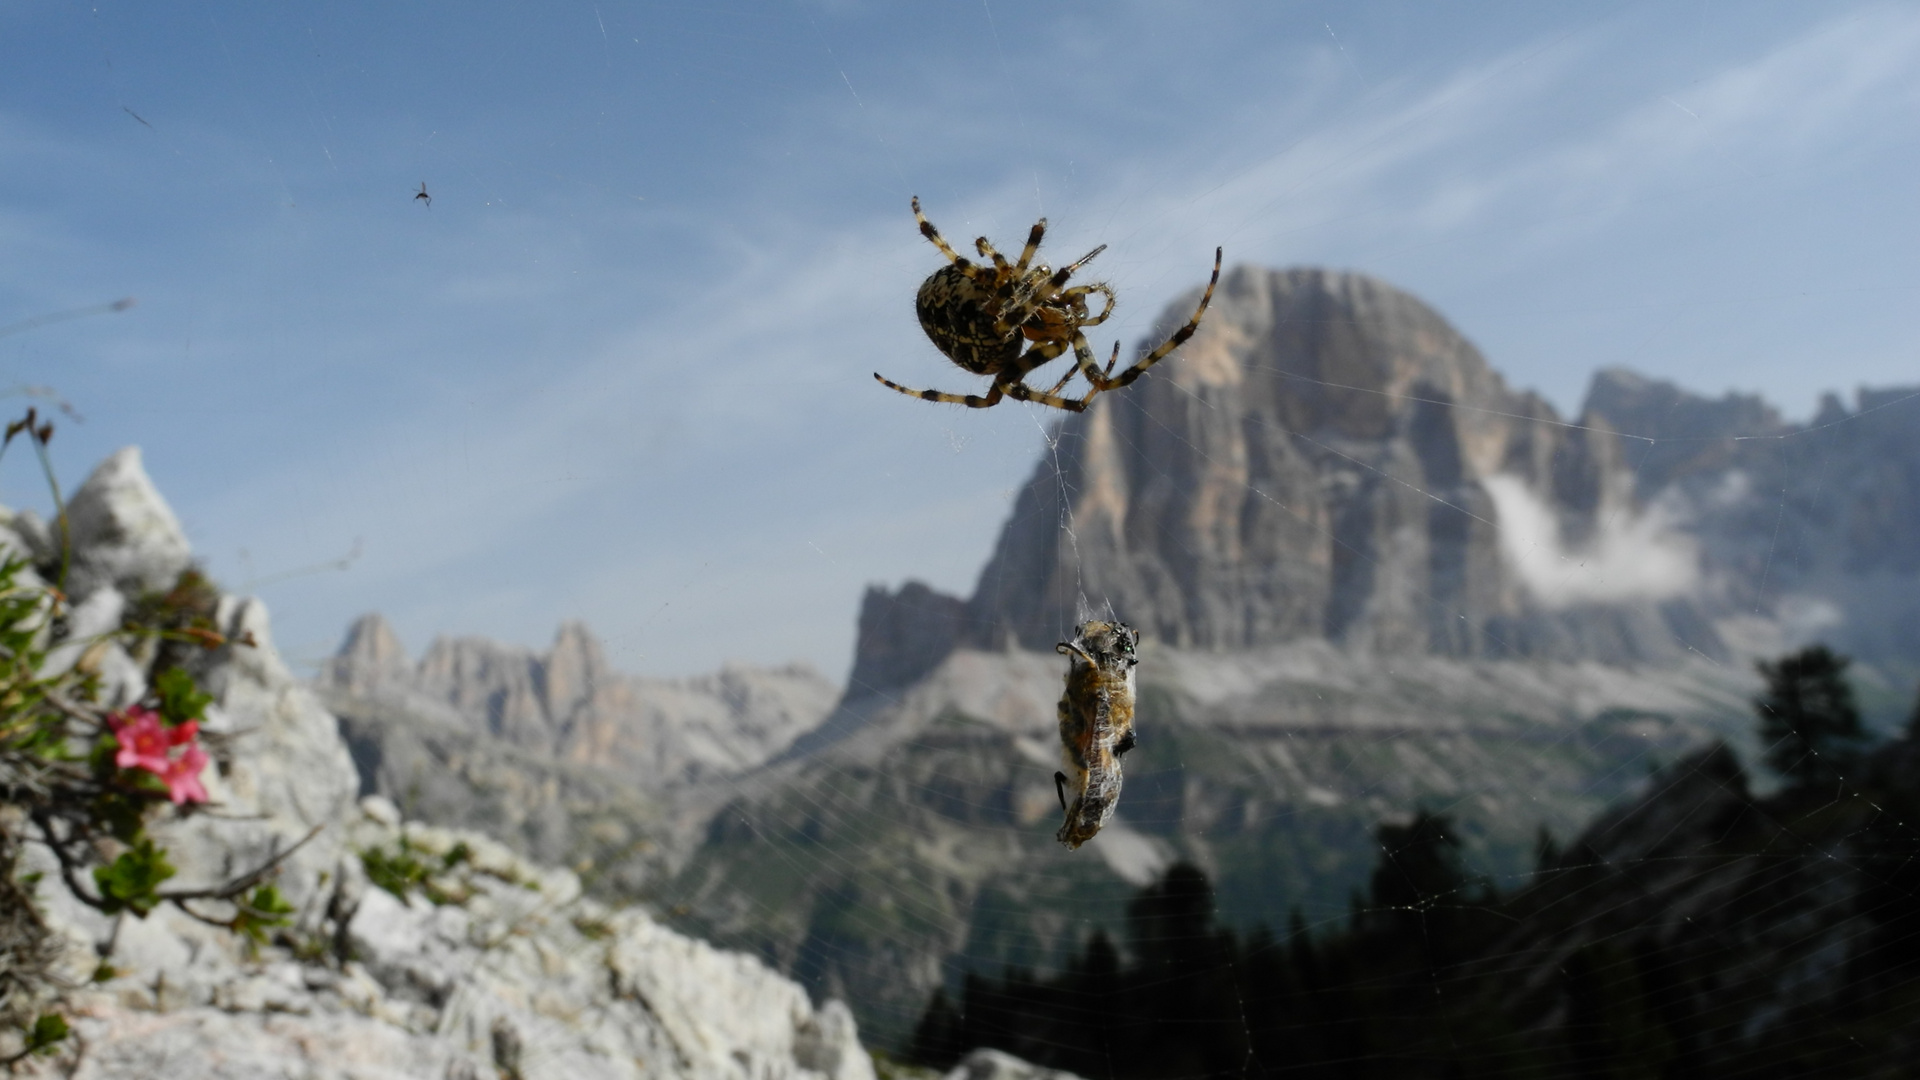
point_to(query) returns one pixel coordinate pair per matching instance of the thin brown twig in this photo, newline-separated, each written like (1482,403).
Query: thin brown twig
(245,881)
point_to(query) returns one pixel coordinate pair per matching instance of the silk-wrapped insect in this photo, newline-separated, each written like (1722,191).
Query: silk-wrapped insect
(1096,725)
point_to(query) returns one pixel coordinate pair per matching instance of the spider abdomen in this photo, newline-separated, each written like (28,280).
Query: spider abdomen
(959,317)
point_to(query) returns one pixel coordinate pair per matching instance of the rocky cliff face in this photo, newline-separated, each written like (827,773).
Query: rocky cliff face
(570,705)
(508,971)
(1812,524)
(1314,465)
(1329,459)
(555,753)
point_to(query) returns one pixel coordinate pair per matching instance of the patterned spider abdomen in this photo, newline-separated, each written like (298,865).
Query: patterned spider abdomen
(958,314)
(1096,725)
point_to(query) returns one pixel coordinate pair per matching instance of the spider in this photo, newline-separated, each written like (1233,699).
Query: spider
(981,317)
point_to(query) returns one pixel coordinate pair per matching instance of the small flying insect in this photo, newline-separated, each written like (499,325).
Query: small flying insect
(422,194)
(1096,725)
(982,317)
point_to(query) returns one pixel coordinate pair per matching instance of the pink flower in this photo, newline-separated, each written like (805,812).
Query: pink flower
(182,775)
(147,744)
(143,742)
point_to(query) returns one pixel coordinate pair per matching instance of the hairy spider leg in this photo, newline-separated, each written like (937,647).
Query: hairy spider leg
(1007,383)
(1034,235)
(1044,352)
(986,250)
(1077,297)
(1033,244)
(971,401)
(1017,390)
(1179,338)
(1083,362)
(1058,281)
(927,230)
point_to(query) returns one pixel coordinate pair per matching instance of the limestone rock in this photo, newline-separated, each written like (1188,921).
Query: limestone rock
(1315,464)
(903,635)
(123,533)
(508,969)
(369,662)
(1329,459)
(570,705)
(989,1064)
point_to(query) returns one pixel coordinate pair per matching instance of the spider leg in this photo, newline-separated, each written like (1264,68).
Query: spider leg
(971,401)
(1033,244)
(927,230)
(1179,338)
(1077,296)
(1064,380)
(1083,361)
(1061,275)
(1047,290)
(1023,392)
(1010,378)
(1078,263)
(986,250)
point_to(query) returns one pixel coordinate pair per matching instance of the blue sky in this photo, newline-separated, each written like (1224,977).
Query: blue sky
(619,369)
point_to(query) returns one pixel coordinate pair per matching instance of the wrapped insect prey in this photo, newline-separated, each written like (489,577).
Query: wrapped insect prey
(1096,725)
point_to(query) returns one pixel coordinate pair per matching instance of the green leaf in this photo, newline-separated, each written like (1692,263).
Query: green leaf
(132,880)
(48,1031)
(180,699)
(124,815)
(262,911)
(398,872)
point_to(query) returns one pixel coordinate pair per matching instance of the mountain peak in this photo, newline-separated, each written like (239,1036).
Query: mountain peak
(369,659)
(1312,464)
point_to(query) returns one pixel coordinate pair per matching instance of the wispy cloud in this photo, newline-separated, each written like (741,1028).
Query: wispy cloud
(1632,555)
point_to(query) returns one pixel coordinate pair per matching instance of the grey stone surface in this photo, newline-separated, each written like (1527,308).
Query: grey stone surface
(902,635)
(1314,464)
(123,533)
(1329,459)
(988,1064)
(556,753)
(570,705)
(511,962)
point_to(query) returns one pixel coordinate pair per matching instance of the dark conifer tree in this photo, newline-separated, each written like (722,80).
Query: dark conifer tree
(1419,877)
(1809,723)
(941,1037)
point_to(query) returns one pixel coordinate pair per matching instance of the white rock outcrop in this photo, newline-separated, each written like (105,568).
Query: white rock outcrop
(985,1064)
(493,967)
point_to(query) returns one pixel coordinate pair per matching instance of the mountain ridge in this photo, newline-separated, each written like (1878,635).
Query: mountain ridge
(1434,591)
